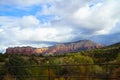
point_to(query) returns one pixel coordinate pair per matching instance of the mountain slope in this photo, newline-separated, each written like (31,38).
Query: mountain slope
(59,48)
(115,45)
(74,46)
(106,54)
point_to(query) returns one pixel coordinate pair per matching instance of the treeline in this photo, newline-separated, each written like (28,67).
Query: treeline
(16,67)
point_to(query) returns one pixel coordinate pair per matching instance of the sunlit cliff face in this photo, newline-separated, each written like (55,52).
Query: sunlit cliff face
(40,50)
(57,49)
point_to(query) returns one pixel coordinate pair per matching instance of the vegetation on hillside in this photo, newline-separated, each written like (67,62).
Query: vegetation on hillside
(21,67)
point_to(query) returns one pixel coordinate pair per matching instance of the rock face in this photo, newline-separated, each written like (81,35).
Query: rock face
(74,46)
(57,49)
(25,50)
(20,50)
(38,51)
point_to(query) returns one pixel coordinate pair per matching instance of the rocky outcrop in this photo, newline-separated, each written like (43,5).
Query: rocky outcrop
(38,51)
(74,46)
(57,49)
(25,50)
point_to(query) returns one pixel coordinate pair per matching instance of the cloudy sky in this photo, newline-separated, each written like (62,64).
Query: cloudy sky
(41,23)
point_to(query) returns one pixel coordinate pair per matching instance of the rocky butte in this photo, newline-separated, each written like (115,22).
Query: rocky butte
(56,49)
(25,50)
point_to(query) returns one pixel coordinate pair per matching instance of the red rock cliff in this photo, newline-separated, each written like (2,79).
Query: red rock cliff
(60,48)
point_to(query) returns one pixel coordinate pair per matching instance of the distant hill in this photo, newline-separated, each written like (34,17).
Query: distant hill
(115,45)
(74,46)
(105,54)
(57,49)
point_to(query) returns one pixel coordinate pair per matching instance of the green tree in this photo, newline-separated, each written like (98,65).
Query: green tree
(118,58)
(15,67)
(2,57)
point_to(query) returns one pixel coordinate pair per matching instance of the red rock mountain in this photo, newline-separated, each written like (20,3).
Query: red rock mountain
(26,50)
(57,49)
(74,46)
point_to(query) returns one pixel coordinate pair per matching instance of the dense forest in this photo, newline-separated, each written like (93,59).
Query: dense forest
(68,66)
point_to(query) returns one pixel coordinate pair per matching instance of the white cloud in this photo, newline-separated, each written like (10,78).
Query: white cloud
(98,19)
(22,3)
(1,30)
(72,19)
(28,28)
(82,13)
(29,21)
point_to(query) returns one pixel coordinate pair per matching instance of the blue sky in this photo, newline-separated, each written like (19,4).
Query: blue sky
(41,23)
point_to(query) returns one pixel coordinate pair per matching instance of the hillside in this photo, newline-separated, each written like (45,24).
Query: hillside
(95,59)
(115,45)
(74,46)
(59,48)
(105,54)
